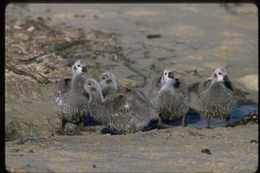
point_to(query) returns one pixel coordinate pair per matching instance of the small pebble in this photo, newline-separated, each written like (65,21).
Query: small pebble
(31,29)
(207,151)
(94,166)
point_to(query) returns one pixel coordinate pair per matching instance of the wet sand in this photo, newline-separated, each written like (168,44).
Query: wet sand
(177,149)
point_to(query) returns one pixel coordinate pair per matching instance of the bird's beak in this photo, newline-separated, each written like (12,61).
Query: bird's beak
(86,95)
(108,81)
(170,75)
(84,69)
(226,78)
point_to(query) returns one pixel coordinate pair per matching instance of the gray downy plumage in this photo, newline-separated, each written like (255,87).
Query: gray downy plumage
(71,103)
(154,91)
(109,85)
(120,112)
(173,97)
(64,85)
(217,97)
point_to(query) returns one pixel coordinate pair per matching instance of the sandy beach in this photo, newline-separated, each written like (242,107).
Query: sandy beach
(135,42)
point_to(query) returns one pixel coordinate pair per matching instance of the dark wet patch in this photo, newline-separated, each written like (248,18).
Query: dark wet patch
(242,115)
(88,120)
(192,117)
(153,124)
(107,131)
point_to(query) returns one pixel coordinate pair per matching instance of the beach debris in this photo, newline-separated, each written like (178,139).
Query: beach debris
(152,36)
(251,118)
(207,151)
(254,141)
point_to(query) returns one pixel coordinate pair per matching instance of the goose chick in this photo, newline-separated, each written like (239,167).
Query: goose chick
(173,98)
(64,85)
(108,83)
(111,113)
(217,97)
(71,105)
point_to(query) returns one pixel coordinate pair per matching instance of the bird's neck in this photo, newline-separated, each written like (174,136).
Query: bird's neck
(96,97)
(215,86)
(109,90)
(77,82)
(167,87)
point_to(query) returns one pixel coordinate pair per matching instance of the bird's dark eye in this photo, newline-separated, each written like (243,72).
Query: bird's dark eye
(103,78)
(220,73)
(165,73)
(89,84)
(78,65)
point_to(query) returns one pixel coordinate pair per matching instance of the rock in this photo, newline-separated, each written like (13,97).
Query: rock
(72,129)
(153,36)
(250,81)
(207,151)
(253,141)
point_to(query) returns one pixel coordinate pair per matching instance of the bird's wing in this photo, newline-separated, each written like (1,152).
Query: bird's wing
(115,102)
(205,84)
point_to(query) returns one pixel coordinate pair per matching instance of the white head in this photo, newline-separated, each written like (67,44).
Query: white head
(219,75)
(167,79)
(93,88)
(108,79)
(79,67)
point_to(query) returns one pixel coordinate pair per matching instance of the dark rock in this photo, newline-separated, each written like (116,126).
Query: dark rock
(207,151)
(153,36)
(253,141)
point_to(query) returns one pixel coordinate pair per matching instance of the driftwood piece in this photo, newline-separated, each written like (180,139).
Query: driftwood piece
(251,118)
(38,77)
